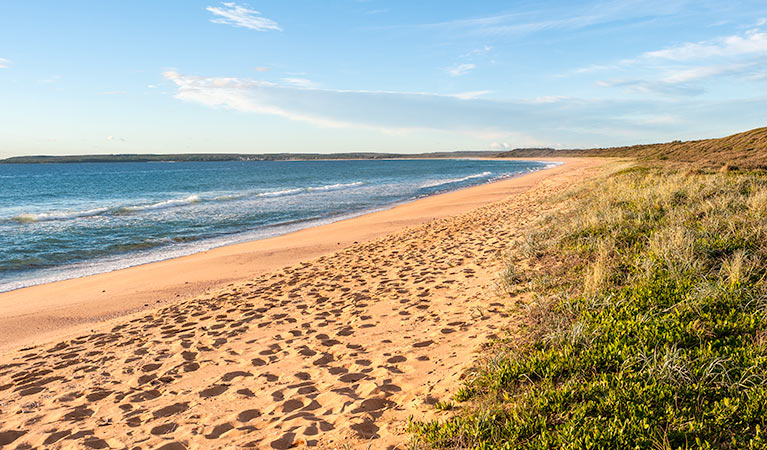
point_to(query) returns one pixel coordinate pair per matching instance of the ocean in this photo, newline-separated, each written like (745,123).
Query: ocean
(60,221)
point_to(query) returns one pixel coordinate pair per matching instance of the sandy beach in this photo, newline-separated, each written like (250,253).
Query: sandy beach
(327,336)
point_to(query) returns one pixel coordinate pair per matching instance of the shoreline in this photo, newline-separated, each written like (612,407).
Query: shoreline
(31,316)
(241,237)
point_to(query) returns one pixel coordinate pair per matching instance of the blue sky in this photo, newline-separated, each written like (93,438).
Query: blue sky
(174,76)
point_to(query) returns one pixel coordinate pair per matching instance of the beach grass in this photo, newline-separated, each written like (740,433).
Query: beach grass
(641,323)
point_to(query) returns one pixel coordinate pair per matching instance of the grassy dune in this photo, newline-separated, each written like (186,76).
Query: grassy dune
(642,323)
(744,150)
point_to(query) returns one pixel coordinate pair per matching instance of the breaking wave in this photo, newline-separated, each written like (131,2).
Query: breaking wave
(436,183)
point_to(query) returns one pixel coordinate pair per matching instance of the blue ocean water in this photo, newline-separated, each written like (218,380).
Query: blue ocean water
(60,221)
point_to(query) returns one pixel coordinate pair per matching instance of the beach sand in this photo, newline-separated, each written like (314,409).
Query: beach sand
(328,336)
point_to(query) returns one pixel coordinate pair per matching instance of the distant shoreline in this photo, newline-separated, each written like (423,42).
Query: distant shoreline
(225,157)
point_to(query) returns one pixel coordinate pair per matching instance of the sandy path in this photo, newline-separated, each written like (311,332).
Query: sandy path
(339,349)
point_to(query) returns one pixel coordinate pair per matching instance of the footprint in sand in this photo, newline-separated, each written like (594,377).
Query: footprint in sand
(219,430)
(174,446)
(7,437)
(214,391)
(164,429)
(292,405)
(171,410)
(248,415)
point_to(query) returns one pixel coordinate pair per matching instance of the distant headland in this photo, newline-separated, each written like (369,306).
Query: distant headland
(215,157)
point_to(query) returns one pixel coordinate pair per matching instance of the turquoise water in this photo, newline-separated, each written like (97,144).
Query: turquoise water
(60,221)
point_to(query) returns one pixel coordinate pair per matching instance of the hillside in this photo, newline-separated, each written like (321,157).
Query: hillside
(746,150)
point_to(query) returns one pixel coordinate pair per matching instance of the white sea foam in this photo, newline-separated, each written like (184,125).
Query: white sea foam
(280,193)
(117,262)
(171,203)
(435,183)
(164,204)
(335,187)
(228,197)
(69,215)
(329,187)
(58,215)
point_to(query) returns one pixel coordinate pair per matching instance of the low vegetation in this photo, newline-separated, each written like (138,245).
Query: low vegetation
(644,303)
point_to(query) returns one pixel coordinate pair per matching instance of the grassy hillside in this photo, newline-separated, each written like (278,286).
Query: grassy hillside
(643,304)
(746,150)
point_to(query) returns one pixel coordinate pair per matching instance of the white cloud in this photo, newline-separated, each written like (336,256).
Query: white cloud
(596,68)
(471,95)
(300,82)
(500,145)
(460,69)
(653,87)
(702,72)
(230,13)
(570,16)
(243,95)
(482,51)
(4,63)
(536,122)
(752,43)
(549,99)
(688,68)
(262,69)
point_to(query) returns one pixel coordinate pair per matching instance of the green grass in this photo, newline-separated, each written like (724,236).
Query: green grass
(646,323)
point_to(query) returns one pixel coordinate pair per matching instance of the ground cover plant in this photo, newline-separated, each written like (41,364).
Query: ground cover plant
(644,312)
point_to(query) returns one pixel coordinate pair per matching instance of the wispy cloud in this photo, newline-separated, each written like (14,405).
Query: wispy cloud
(685,68)
(262,69)
(653,87)
(231,13)
(4,63)
(300,82)
(523,122)
(460,69)
(482,51)
(754,42)
(703,72)
(573,16)
(471,95)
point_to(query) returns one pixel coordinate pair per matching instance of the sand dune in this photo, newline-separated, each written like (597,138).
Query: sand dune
(339,349)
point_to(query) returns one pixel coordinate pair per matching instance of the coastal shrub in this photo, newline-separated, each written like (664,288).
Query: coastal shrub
(644,324)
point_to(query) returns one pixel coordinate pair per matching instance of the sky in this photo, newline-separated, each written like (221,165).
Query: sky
(264,76)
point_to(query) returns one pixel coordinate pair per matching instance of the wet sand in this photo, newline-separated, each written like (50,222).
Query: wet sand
(328,336)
